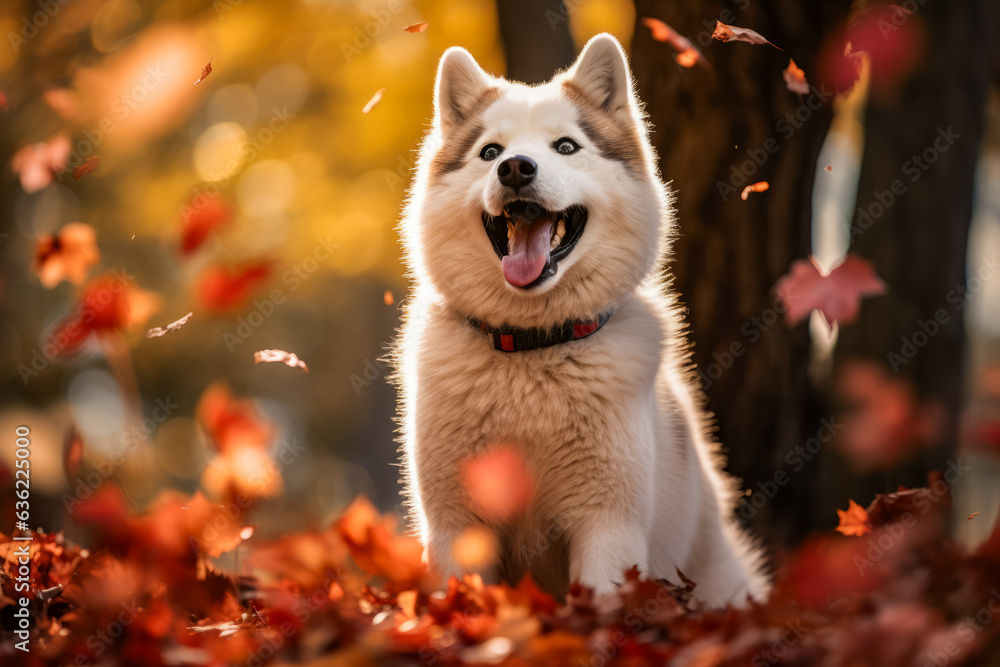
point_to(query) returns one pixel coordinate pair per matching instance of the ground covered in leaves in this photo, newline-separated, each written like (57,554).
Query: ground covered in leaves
(892,590)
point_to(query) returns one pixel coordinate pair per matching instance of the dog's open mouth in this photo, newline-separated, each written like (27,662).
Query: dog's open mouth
(531,241)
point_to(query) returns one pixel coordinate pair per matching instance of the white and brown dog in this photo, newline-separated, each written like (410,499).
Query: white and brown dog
(535,232)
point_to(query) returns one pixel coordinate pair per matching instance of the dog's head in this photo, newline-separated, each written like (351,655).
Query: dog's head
(533,205)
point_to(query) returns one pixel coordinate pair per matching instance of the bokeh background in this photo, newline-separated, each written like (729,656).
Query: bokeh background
(264,200)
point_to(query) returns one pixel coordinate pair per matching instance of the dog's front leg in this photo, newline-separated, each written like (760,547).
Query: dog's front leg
(603,546)
(445,517)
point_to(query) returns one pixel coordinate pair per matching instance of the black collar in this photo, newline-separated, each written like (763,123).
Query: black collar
(515,339)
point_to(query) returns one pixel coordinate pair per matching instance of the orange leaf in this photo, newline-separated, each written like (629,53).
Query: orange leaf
(387,298)
(417,27)
(73,455)
(376,98)
(795,78)
(89,165)
(838,294)
(970,517)
(498,482)
(205,71)
(225,289)
(853,521)
(202,219)
(762,186)
(67,255)
(687,53)
(288,358)
(37,164)
(732,33)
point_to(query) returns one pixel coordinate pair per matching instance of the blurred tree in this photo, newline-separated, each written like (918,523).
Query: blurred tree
(716,131)
(536,38)
(923,134)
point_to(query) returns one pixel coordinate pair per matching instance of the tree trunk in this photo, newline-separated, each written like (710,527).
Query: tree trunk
(716,131)
(536,39)
(914,210)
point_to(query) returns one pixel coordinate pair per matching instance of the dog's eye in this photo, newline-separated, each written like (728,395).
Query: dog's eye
(491,152)
(566,146)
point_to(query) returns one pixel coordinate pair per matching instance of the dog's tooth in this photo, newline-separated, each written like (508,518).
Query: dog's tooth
(561,229)
(556,240)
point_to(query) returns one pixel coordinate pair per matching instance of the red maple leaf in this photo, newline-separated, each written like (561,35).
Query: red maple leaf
(838,294)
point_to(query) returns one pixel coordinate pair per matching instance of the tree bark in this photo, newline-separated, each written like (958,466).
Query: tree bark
(923,138)
(716,131)
(536,38)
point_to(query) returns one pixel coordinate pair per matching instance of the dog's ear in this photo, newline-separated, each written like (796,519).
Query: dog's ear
(602,73)
(461,84)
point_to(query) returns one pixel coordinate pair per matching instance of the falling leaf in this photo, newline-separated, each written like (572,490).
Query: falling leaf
(67,255)
(498,482)
(156,332)
(36,165)
(795,78)
(223,288)
(376,98)
(89,165)
(205,71)
(837,295)
(762,186)
(687,53)
(388,298)
(853,521)
(827,168)
(280,356)
(201,217)
(883,421)
(3,102)
(732,33)
(971,516)
(106,304)
(72,455)
(232,422)
(417,27)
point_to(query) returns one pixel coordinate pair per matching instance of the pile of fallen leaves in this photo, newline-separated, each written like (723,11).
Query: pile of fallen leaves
(894,589)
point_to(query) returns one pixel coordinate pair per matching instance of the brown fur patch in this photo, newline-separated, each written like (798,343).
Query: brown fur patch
(452,154)
(614,139)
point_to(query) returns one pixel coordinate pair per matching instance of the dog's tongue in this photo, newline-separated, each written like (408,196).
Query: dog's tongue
(528,251)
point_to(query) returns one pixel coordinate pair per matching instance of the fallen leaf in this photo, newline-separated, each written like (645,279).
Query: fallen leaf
(687,53)
(417,27)
(89,165)
(280,356)
(762,186)
(795,78)
(387,298)
(732,33)
(36,165)
(837,295)
(156,332)
(69,254)
(853,521)
(205,71)
(970,517)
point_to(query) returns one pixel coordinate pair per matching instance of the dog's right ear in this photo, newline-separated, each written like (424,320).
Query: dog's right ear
(461,84)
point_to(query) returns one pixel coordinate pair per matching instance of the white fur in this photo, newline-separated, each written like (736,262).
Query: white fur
(611,426)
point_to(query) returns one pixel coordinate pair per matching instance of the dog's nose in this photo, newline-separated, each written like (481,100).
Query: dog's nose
(516,172)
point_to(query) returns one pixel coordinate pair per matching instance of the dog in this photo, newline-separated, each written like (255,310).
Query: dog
(536,232)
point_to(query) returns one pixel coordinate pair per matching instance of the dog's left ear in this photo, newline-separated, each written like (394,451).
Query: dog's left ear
(602,73)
